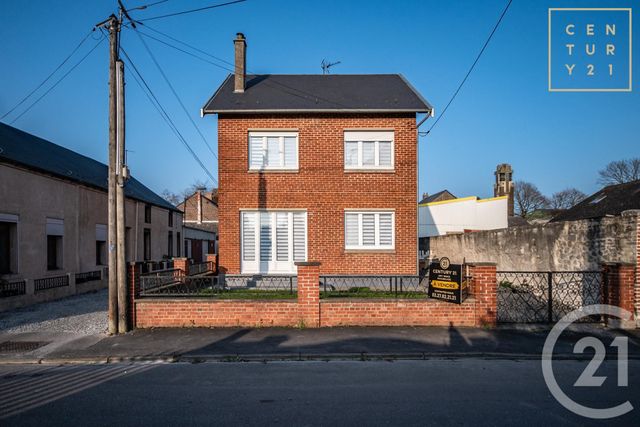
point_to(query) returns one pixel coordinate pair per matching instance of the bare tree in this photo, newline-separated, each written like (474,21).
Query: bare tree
(177,198)
(566,199)
(620,172)
(528,198)
(171,197)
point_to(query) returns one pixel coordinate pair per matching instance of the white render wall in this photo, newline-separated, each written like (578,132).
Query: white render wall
(458,215)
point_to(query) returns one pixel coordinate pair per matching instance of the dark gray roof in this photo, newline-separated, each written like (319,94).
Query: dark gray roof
(436,196)
(31,152)
(350,93)
(611,200)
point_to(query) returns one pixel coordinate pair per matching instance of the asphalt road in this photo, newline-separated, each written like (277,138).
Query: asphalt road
(432,392)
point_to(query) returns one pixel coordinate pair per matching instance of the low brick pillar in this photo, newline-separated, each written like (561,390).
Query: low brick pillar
(484,289)
(309,293)
(181,264)
(213,260)
(134,270)
(619,290)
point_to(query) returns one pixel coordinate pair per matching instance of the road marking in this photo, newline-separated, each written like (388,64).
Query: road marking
(30,388)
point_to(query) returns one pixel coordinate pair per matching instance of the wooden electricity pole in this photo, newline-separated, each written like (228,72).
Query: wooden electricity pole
(121,174)
(114,29)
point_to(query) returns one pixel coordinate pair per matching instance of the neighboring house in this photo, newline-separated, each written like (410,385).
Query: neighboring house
(53,212)
(200,218)
(440,196)
(462,215)
(610,201)
(543,216)
(319,168)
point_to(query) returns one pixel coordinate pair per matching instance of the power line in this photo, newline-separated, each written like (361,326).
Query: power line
(50,75)
(274,84)
(175,94)
(486,43)
(59,80)
(144,6)
(163,113)
(192,10)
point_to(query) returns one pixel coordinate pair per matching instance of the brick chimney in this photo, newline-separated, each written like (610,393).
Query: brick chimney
(240,74)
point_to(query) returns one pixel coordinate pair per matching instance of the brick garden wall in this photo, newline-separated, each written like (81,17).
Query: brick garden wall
(309,311)
(322,187)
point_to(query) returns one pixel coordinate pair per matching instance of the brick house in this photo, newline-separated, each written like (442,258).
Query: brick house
(317,167)
(200,220)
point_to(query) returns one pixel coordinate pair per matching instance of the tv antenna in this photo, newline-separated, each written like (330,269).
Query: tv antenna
(326,65)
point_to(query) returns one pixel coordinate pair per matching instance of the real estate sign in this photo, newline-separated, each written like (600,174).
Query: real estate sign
(446,282)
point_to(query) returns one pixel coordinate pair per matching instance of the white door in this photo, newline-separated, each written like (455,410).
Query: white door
(271,241)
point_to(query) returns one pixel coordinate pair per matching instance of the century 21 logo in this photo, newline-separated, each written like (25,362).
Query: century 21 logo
(590,50)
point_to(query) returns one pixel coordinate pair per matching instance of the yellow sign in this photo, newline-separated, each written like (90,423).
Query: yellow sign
(440,284)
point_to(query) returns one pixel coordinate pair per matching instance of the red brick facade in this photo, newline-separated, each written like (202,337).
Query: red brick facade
(322,187)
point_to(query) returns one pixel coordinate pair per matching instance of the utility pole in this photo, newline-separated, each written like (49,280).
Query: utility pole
(121,175)
(114,30)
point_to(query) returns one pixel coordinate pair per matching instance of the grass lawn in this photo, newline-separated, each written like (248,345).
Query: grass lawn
(249,294)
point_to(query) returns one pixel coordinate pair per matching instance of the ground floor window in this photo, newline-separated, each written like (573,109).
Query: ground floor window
(271,241)
(101,244)
(369,230)
(170,244)
(55,234)
(8,244)
(147,244)
(178,244)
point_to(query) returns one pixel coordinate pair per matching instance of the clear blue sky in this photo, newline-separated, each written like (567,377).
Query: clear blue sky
(504,113)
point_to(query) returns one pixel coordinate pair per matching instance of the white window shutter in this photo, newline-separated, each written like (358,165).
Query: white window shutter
(351,153)
(351,229)
(384,148)
(368,153)
(248,236)
(290,152)
(386,229)
(299,236)
(265,236)
(273,152)
(368,229)
(282,236)
(256,152)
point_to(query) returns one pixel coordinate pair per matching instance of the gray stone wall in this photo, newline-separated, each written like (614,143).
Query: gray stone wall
(570,246)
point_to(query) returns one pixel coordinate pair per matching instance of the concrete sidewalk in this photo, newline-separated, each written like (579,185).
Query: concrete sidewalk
(237,344)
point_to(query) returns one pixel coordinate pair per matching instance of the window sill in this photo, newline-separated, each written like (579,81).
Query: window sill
(273,170)
(363,170)
(369,251)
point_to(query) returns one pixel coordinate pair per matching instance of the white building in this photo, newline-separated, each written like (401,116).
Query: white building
(462,215)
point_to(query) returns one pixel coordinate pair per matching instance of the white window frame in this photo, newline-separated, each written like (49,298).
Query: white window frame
(375,136)
(274,134)
(377,246)
(257,266)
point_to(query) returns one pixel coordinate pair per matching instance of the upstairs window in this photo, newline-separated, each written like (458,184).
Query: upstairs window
(170,219)
(273,151)
(147,214)
(369,230)
(368,150)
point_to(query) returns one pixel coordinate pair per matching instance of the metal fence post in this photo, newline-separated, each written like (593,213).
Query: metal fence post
(550,297)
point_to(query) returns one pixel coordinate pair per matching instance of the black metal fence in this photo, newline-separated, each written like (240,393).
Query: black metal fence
(223,286)
(200,268)
(47,283)
(407,286)
(545,297)
(12,289)
(89,276)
